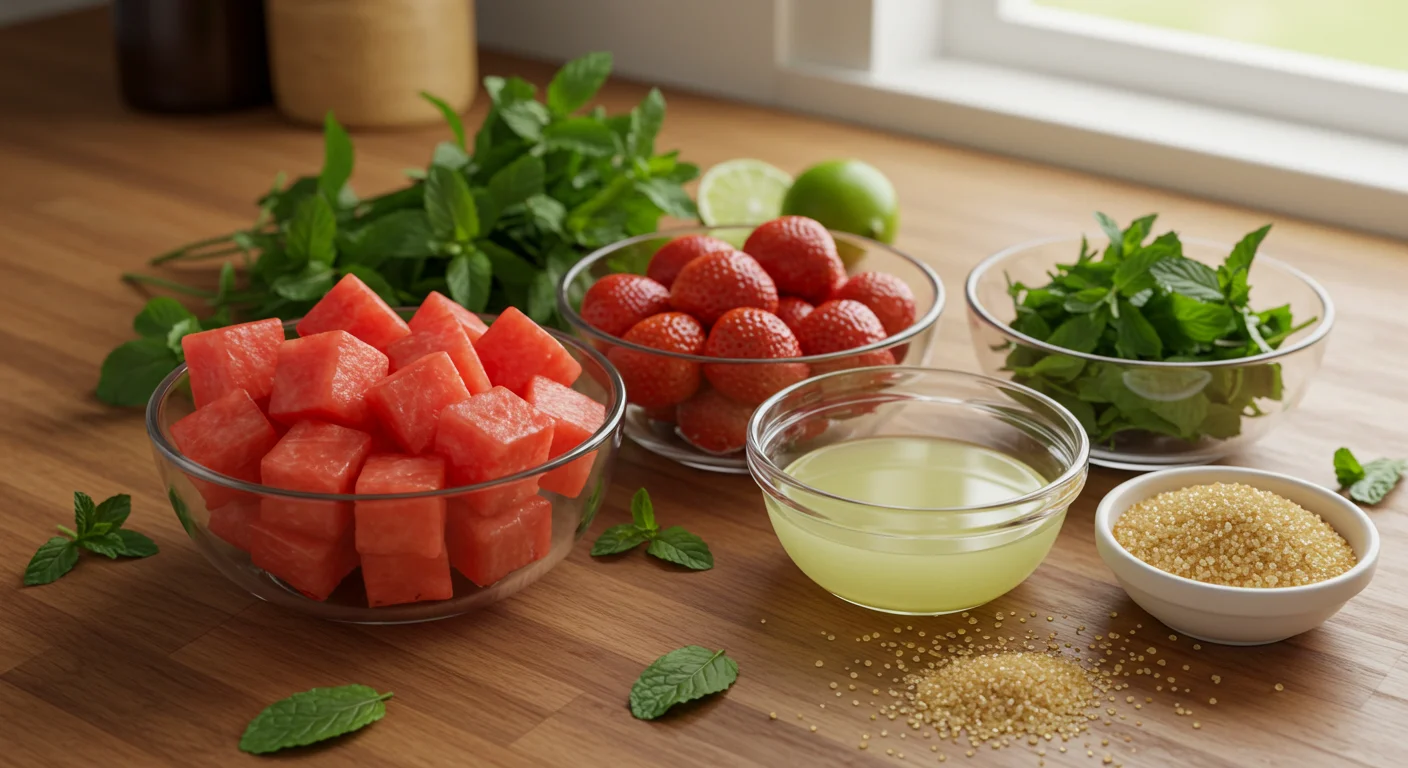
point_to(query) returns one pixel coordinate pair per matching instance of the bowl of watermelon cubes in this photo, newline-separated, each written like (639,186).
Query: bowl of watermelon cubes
(704,324)
(366,464)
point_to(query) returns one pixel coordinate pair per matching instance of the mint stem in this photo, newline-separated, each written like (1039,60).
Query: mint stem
(188,247)
(66,532)
(170,285)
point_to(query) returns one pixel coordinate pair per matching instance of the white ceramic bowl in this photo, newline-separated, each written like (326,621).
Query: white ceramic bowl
(1237,615)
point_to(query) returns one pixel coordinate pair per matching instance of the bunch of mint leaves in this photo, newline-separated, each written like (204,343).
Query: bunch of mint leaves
(1142,299)
(494,221)
(96,528)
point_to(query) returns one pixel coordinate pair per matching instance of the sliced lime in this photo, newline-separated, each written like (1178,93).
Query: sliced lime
(742,191)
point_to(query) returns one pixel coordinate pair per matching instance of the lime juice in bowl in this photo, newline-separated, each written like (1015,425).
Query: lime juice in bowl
(916,491)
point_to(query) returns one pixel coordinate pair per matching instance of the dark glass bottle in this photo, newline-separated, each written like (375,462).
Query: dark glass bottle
(191,55)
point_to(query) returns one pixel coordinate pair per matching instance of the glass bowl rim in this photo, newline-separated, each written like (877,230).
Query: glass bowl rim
(920,324)
(1318,333)
(760,464)
(615,416)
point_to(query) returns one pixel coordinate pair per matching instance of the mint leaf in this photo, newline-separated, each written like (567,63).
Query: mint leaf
(183,514)
(618,539)
(508,266)
(669,197)
(1193,279)
(451,116)
(1347,468)
(643,511)
(54,558)
(312,716)
(577,82)
(646,120)
(374,281)
(682,675)
(135,544)
(312,232)
(85,513)
(337,160)
(450,206)
(180,331)
(681,547)
(402,234)
(308,284)
(113,511)
(1081,333)
(468,278)
(109,544)
(1133,273)
(1200,321)
(1245,250)
(1137,232)
(516,182)
(525,118)
(1112,231)
(546,213)
(159,316)
(542,297)
(447,155)
(581,134)
(1380,476)
(1136,337)
(131,373)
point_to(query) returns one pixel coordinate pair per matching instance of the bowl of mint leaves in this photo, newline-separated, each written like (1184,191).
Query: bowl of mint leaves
(1158,345)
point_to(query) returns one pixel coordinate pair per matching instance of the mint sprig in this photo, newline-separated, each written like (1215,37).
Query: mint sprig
(96,528)
(684,674)
(312,716)
(1370,482)
(673,544)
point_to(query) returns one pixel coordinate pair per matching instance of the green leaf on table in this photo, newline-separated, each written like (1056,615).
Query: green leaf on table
(669,197)
(54,558)
(312,232)
(312,716)
(1348,470)
(646,119)
(131,373)
(452,118)
(113,511)
(577,82)
(337,160)
(309,284)
(682,675)
(681,547)
(618,539)
(158,317)
(135,544)
(450,206)
(581,134)
(1190,278)
(85,512)
(108,544)
(643,511)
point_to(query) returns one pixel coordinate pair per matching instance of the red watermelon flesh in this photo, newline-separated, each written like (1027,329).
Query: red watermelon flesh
(242,356)
(325,377)
(408,403)
(231,522)
(448,337)
(228,435)
(438,308)
(576,417)
(488,548)
(353,307)
(310,565)
(396,579)
(414,527)
(515,349)
(319,458)
(492,435)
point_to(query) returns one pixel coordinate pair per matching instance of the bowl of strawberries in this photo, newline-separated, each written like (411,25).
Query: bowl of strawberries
(706,323)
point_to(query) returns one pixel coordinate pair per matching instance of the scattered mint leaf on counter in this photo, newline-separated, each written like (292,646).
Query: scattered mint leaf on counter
(674,544)
(96,528)
(1370,482)
(682,675)
(313,716)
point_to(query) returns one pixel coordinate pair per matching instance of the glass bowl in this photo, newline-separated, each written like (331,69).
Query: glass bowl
(1188,413)
(657,430)
(189,484)
(912,558)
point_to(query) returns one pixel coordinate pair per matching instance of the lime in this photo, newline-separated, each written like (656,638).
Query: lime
(742,191)
(846,195)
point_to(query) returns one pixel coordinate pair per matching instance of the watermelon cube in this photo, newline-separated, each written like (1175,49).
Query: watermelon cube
(396,579)
(325,377)
(439,308)
(408,403)
(318,458)
(448,337)
(236,357)
(231,522)
(576,417)
(228,435)
(353,307)
(515,349)
(490,436)
(406,527)
(488,548)
(310,565)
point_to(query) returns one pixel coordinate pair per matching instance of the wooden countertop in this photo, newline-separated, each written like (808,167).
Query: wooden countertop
(162,662)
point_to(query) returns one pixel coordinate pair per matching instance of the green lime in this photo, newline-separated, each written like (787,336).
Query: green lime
(846,195)
(742,191)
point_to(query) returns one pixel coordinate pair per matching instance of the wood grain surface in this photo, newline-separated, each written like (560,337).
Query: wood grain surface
(162,662)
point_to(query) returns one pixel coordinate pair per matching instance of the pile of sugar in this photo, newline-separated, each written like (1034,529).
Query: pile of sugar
(1234,535)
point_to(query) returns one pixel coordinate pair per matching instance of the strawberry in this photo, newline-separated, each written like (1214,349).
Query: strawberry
(666,415)
(667,262)
(616,302)
(752,334)
(843,324)
(659,381)
(800,255)
(713,423)
(717,282)
(887,296)
(792,309)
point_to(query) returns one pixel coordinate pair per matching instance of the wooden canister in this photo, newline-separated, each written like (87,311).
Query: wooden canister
(368,60)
